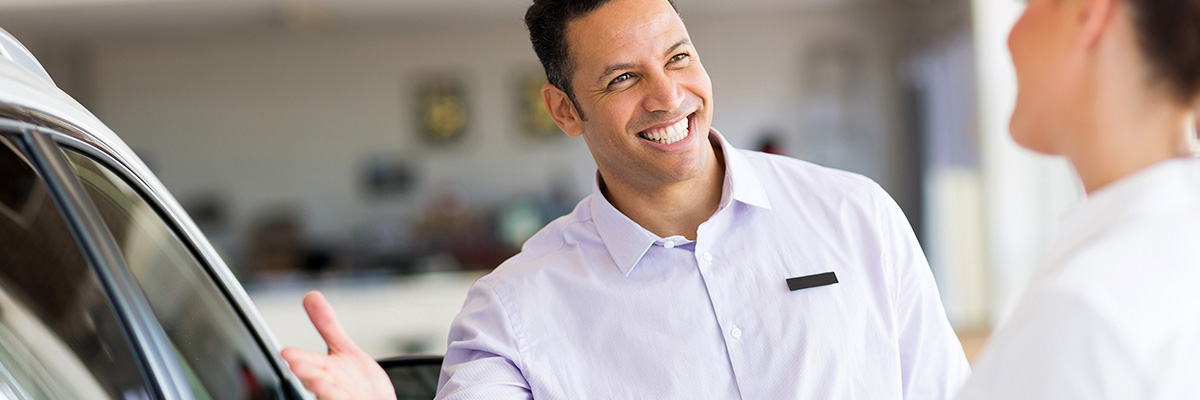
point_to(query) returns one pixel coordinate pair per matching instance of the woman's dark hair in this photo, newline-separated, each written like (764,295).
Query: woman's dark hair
(547,22)
(1168,32)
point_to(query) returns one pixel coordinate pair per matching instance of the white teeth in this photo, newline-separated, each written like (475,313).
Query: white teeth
(670,134)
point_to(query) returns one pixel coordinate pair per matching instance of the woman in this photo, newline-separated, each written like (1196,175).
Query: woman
(1115,311)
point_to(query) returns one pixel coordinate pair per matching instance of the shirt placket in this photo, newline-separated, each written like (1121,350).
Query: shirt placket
(709,260)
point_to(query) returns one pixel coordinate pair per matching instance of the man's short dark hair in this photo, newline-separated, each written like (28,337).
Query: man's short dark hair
(547,22)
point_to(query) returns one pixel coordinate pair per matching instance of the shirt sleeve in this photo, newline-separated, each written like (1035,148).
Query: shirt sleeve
(932,362)
(482,359)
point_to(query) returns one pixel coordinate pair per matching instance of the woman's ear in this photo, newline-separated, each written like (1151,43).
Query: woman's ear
(1191,139)
(562,109)
(1094,19)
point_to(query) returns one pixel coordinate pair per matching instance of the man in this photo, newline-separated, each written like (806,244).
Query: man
(672,279)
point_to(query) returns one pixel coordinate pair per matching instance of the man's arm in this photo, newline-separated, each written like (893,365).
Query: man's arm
(483,358)
(932,362)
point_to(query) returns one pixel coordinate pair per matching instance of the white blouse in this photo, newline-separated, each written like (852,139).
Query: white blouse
(1115,311)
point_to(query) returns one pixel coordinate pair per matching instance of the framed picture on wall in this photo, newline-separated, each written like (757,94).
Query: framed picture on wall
(534,119)
(441,108)
(388,175)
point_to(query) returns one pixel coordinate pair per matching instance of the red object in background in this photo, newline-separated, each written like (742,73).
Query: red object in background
(770,144)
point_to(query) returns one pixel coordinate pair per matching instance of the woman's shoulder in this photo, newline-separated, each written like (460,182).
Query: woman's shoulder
(1136,278)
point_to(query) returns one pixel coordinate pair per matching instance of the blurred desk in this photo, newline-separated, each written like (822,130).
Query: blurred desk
(972,342)
(386,315)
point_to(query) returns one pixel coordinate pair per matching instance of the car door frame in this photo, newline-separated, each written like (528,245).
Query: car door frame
(160,369)
(43,139)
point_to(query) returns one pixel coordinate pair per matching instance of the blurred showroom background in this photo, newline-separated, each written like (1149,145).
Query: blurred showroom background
(389,152)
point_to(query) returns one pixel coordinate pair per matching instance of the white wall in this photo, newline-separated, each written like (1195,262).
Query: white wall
(762,71)
(277,118)
(282,119)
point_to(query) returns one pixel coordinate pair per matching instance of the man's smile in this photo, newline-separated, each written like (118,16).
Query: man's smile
(669,134)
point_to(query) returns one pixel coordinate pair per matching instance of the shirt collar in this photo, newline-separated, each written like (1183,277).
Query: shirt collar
(627,242)
(740,180)
(1162,187)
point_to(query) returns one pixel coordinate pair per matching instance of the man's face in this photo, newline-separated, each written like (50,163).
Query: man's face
(646,98)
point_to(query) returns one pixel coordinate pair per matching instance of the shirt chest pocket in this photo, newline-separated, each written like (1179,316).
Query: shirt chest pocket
(843,318)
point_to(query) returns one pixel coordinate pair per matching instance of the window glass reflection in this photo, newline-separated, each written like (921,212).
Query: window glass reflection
(59,337)
(219,355)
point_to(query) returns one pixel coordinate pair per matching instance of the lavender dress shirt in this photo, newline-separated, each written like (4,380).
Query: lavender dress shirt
(597,307)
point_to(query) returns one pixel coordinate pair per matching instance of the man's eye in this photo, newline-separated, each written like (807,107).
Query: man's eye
(681,57)
(620,78)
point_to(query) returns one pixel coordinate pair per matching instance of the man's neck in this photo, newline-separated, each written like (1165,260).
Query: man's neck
(673,209)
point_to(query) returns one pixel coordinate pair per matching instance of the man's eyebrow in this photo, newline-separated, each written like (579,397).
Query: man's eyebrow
(613,68)
(620,66)
(685,41)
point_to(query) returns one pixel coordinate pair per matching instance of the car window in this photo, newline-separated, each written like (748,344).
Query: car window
(414,378)
(59,336)
(221,357)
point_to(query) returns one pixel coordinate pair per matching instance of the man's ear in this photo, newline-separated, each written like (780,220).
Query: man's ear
(1094,18)
(562,109)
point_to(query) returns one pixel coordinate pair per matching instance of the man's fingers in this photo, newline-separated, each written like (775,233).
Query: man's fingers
(298,356)
(322,384)
(326,389)
(310,368)
(308,372)
(323,318)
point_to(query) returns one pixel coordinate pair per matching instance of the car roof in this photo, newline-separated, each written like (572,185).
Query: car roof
(16,52)
(27,91)
(26,88)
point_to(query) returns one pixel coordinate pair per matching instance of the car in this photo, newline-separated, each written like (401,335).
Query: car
(108,290)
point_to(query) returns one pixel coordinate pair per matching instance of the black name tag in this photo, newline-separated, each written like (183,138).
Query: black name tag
(811,281)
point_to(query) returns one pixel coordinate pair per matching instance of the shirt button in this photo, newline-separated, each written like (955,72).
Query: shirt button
(707,257)
(670,244)
(736,332)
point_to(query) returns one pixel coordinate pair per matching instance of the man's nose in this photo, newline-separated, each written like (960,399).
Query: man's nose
(664,94)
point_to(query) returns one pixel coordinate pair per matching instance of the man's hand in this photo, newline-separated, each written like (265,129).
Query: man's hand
(346,372)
